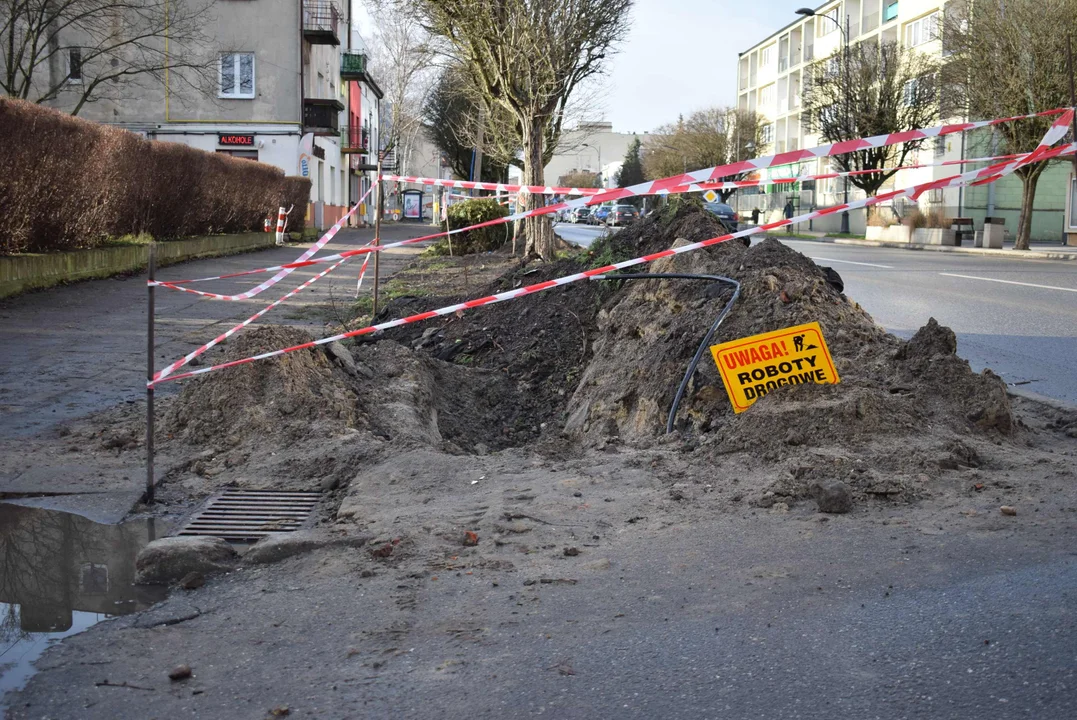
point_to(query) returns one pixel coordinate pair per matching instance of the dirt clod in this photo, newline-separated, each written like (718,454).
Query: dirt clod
(180,672)
(832,497)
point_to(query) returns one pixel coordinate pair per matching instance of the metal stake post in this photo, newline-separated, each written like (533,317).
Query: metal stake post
(150,311)
(377,232)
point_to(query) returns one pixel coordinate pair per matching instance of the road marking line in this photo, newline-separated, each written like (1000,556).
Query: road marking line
(1010,282)
(850,262)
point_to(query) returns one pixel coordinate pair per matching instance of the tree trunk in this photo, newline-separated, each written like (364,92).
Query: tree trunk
(1028,198)
(538,231)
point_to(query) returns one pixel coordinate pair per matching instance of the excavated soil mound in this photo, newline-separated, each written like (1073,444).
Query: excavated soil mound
(682,218)
(283,397)
(647,339)
(538,344)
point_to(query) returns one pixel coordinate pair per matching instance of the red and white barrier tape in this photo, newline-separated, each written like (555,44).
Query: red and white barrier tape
(282,270)
(989,174)
(164,373)
(654,187)
(496,187)
(737,184)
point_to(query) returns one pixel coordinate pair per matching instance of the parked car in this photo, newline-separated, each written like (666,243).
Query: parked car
(622,215)
(600,214)
(580,215)
(726,214)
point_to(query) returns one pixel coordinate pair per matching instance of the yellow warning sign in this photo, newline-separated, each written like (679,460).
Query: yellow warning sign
(711,196)
(753,366)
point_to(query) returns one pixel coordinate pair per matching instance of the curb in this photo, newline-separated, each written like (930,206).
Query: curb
(985,252)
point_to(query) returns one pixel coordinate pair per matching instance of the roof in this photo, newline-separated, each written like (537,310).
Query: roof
(800,19)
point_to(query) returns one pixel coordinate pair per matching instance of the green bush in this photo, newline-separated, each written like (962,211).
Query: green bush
(472,212)
(68,183)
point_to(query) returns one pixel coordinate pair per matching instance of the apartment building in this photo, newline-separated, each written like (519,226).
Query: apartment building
(770,79)
(291,90)
(588,147)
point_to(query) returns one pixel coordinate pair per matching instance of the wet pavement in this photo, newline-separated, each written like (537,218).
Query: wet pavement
(60,574)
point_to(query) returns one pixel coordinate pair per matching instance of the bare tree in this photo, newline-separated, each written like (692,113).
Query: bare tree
(1009,58)
(878,88)
(528,57)
(79,51)
(710,137)
(402,58)
(451,114)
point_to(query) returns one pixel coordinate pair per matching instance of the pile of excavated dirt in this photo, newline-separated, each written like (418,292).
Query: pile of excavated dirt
(595,364)
(288,397)
(537,344)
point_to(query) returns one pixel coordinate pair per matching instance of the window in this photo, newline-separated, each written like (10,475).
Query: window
(940,147)
(244,154)
(909,91)
(767,56)
(74,66)
(922,30)
(237,75)
(827,22)
(890,12)
(768,134)
(766,95)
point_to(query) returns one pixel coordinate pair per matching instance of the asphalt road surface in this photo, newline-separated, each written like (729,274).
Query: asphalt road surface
(582,235)
(1016,317)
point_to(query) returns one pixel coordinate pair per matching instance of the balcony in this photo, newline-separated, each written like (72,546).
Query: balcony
(320,116)
(783,64)
(354,139)
(809,53)
(352,66)
(871,21)
(890,12)
(321,22)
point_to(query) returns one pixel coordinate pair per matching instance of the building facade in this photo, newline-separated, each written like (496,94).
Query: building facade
(589,147)
(770,79)
(291,90)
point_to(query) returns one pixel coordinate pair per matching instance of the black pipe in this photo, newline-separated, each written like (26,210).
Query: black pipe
(706,338)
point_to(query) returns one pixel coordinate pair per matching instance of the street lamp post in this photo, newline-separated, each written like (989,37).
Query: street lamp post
(599,152)
(808,12)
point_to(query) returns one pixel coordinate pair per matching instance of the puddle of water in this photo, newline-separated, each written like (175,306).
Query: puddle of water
(59,574)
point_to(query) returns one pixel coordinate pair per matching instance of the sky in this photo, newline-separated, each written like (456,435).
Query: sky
(681,55)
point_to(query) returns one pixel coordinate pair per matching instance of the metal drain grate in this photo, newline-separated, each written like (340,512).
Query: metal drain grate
(249,515)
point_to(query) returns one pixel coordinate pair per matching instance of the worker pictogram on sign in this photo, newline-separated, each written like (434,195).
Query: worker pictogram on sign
(753,366)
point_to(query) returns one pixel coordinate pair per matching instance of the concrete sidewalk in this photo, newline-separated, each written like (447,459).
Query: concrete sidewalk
(1037,251)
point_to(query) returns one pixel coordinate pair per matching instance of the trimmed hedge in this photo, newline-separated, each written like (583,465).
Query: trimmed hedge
(468,213)
(69,183)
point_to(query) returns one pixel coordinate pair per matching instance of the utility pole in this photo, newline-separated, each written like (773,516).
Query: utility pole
(1073,98)
(848,122)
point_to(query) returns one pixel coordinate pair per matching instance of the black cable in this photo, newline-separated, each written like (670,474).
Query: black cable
(706,338)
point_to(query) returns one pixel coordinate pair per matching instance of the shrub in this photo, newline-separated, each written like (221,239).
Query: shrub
(468,213)
(934,218)
(70,183)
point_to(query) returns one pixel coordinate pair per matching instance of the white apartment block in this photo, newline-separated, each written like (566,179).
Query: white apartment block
(771,73)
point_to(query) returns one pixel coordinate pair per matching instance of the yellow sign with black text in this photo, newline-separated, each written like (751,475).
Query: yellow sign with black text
(753,366)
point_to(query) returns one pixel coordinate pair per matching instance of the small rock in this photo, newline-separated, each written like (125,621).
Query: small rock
(784,297)
(832,497)
(383,552)
(329,483)
(180,672)
(571,552)
(192,581)
(600,564)
(341,354)
(280,711)
(169,560)
(1008,510)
